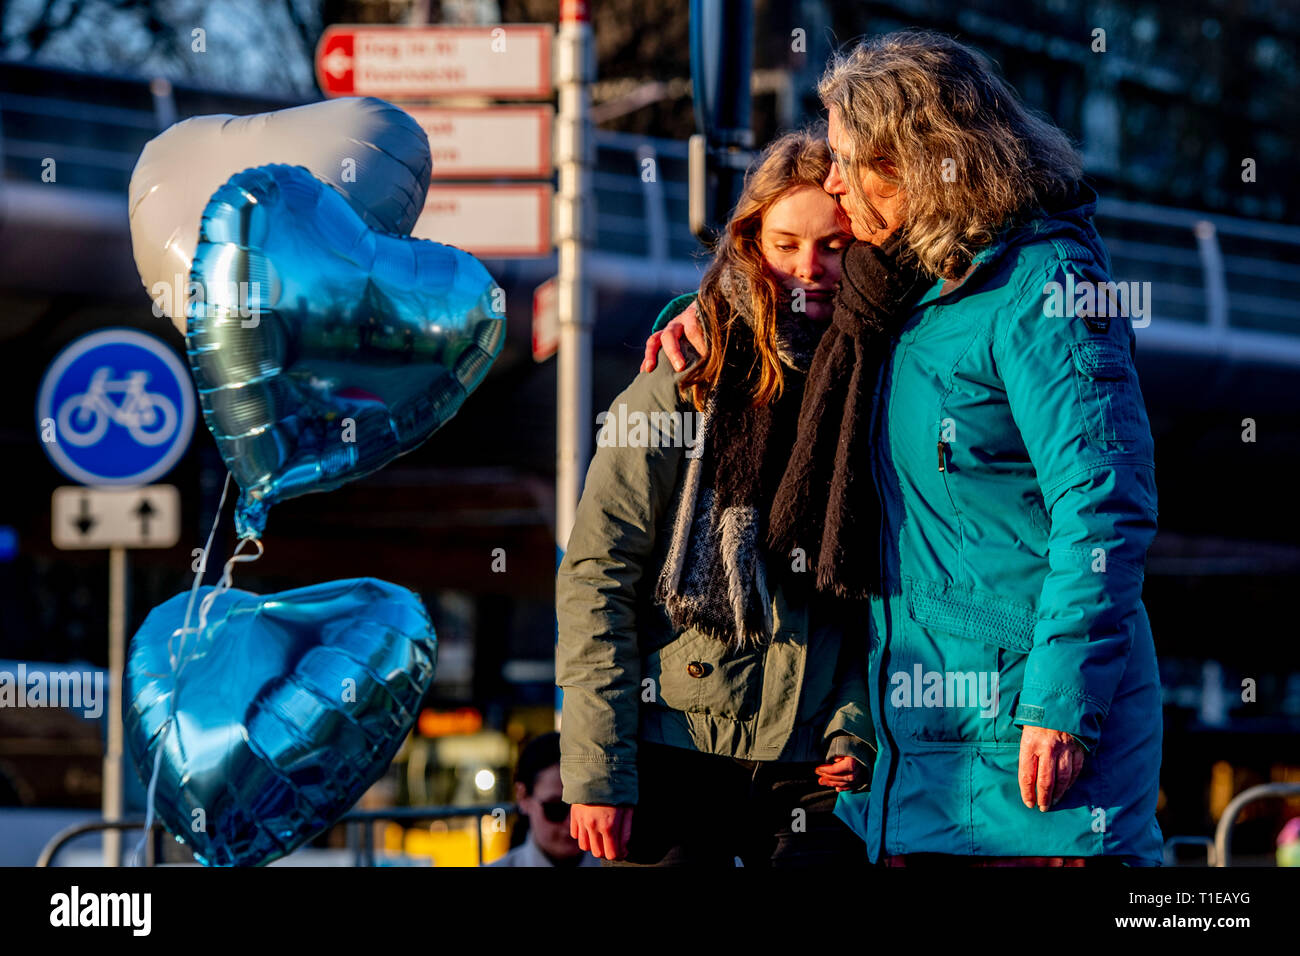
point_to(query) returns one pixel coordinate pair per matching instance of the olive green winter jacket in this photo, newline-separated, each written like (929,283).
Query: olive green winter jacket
(628,675)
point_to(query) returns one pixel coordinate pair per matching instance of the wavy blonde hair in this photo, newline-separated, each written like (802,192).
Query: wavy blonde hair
(911,101)
(739,274)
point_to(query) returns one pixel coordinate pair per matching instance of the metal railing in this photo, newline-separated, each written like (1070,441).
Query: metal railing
(358,824)
(1172,844)
(1228,821)
(1218,849)
(152,847)
(1220,284)
(359,828)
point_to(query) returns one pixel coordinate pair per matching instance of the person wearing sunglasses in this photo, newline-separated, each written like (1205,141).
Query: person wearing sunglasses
(538,793)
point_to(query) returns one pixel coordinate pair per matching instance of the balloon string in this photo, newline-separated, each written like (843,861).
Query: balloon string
(225,583)
(149,797)
(178,659)
(172,654)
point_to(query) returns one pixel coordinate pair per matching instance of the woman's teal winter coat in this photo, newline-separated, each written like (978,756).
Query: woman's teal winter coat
(1014,459)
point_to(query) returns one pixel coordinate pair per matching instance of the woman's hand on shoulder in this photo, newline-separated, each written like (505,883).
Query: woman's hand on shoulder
(670,336)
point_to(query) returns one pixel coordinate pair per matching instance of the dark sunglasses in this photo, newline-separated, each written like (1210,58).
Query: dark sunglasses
(555,811)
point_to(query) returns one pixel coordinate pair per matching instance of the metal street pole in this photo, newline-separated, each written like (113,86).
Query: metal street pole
(722,58)
(574,222)
(116,666)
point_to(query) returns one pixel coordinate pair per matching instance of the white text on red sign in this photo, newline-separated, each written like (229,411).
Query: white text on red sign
(509,61)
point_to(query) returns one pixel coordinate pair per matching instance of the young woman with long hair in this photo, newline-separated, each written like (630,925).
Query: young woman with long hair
(714,702)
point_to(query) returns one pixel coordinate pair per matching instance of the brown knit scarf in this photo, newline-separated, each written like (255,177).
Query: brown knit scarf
(827,502)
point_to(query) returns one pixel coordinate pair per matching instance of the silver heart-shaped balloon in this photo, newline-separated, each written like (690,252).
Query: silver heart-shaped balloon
(276,716)
(373,153)
(323,349)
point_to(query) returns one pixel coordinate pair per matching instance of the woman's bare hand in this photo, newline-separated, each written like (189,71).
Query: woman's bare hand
(842,773)
(688,324)
(601,830)
(1050,762)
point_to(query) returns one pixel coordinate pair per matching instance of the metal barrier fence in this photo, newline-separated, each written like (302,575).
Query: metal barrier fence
(359,829)
(152,849)
(359,826)
(1218,849)
(1228,821)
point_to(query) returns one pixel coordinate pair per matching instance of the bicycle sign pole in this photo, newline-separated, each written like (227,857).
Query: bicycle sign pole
(115,411)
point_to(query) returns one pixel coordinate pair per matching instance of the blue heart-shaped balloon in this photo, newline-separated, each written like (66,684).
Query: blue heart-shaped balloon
(281,713)
(323,349)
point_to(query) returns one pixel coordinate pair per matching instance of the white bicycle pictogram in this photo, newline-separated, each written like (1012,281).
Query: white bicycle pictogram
(150,418)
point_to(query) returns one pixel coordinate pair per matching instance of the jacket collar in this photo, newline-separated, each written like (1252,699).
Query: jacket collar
(1067,221)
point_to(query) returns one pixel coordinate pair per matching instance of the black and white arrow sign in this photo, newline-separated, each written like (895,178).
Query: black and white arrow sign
(89,518)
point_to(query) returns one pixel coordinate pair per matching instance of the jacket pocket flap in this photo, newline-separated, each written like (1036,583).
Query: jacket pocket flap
(1100,360)
(974,614)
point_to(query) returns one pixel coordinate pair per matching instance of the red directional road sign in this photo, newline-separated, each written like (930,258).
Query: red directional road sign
(510,61)
(546,319)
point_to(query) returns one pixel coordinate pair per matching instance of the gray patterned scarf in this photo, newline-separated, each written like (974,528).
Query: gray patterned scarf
(715,577)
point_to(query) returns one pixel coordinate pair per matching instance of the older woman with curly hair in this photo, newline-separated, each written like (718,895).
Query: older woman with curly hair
(976,420)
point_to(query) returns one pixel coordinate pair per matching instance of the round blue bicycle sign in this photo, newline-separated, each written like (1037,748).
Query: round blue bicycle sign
(116,408)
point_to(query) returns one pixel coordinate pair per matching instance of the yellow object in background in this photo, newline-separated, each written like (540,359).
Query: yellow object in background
(450,843)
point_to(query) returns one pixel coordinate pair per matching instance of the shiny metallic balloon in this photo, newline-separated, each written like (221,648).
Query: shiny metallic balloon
(281,714)
(373,153)
(323,349)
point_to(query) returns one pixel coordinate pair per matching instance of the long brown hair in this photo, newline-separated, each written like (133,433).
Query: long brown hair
(971,158)
(739,272)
